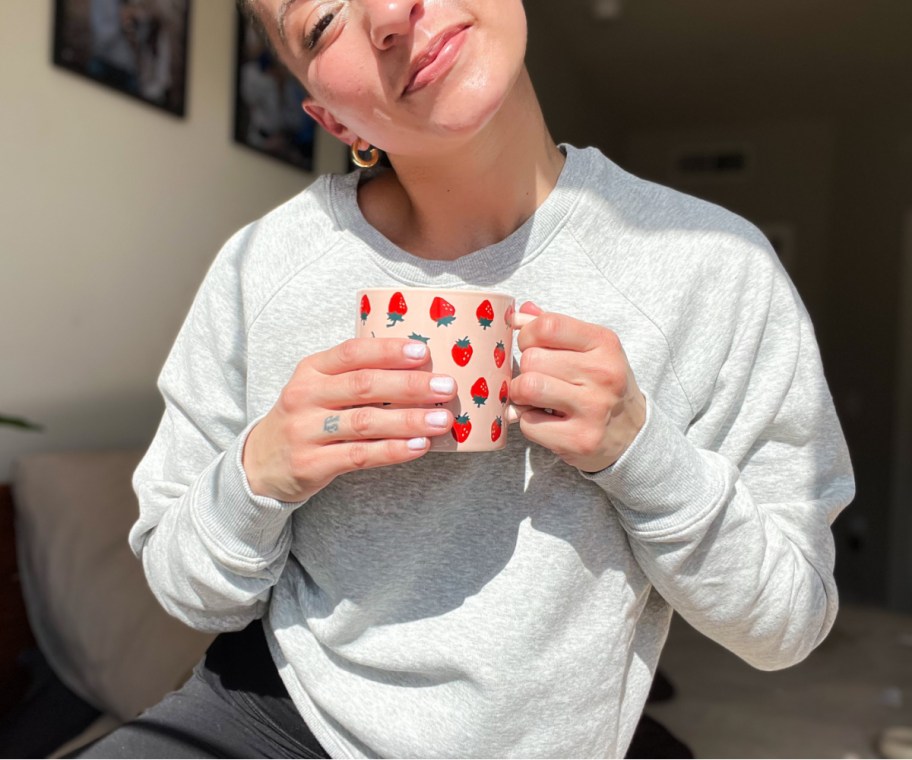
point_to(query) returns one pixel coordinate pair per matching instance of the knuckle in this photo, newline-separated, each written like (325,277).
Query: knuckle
(291,398)
(527,388)
(362,421)
(588,442)
(295,430)
(529,359)
(414,421)
(362,383)
(549,326)
(394,451)
(602,374)
(358,456)
(301,464)
(610,340)
(417,383)
(347,352)
(608,375)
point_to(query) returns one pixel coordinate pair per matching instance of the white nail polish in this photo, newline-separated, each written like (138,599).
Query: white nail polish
(415,350)
(521,319)
(437,419)
(417,444)
(443,384)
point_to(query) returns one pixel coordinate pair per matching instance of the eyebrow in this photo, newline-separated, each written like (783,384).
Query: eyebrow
(281,16)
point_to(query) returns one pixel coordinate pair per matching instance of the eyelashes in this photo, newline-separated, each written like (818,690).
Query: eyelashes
(314,37)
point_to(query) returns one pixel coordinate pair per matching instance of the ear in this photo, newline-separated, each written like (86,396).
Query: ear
(326,120)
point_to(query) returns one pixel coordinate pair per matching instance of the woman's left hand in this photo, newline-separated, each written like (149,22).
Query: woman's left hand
(576,394)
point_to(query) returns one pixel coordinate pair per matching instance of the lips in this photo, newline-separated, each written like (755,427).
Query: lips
(435,59)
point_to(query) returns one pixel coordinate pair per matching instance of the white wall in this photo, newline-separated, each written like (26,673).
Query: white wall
(110,213)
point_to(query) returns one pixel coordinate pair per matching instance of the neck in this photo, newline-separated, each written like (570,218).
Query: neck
(475,195)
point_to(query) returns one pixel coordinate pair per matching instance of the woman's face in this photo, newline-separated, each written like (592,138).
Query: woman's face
(401,74)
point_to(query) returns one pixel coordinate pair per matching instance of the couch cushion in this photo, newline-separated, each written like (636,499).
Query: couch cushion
(88,604)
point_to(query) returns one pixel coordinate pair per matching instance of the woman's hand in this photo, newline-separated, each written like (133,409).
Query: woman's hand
(576,394)
(323,423)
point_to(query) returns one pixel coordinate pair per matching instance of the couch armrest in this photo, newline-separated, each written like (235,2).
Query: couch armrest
(91,611)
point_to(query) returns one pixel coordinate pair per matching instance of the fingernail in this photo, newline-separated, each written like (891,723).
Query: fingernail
(437,419)
(443,384)
(417,444)
(521,319)
(415,350)
(512,414)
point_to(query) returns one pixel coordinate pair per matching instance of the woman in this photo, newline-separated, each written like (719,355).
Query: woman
(675,446)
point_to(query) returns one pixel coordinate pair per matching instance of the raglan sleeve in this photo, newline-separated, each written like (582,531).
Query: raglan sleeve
(211,549)
(730,517)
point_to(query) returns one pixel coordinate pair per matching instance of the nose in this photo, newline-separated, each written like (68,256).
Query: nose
(390,20)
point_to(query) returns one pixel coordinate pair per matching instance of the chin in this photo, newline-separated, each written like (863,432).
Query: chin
(480,99)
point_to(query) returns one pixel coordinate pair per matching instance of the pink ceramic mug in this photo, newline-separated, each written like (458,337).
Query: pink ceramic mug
(470,337)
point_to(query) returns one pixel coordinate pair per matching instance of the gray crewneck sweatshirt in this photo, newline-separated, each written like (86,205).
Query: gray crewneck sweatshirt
(506,604)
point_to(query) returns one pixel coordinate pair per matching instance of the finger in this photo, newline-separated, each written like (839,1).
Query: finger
(520,320)
(571,366)
(552,330)
(374,353)
(371,423)
(380,386)
(526,313)
(514,412)
(542,391)
(545,429)
(349,456)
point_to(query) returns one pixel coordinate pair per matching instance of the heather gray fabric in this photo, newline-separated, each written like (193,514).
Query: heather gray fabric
(506,604)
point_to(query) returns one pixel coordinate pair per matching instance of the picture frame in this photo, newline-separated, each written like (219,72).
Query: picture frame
(136,47)
(268,117)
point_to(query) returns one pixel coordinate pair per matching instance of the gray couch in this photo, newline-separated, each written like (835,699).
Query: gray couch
(94,619)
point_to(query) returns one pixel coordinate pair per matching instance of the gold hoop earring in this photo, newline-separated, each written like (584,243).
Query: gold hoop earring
(366,159)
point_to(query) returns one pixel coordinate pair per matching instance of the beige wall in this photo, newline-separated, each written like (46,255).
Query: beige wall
(111,213)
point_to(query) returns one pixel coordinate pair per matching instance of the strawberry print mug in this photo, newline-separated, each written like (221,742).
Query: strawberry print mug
(469,337)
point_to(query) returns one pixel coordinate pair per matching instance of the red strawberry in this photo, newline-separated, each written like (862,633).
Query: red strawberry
(485,314)
(503,393)
(462,351)
(365,308)
(480,391)
(500,353)
(461,428)
(442,312)
(496,429)
(397,309)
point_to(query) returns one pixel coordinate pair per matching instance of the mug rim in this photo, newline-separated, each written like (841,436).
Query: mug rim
(406,289)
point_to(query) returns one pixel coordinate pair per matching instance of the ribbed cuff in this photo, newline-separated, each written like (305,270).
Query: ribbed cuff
(244,531)
(662,484)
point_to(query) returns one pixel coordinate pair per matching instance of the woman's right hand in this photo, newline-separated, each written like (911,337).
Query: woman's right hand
(323,423)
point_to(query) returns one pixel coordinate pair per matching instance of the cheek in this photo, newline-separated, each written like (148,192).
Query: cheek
(340,85)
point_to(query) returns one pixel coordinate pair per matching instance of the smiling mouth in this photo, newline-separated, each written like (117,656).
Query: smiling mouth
(436,58)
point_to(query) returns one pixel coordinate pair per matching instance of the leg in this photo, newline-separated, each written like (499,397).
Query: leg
(234,705)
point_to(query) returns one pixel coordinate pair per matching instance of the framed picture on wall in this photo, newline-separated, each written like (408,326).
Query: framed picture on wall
(268,117)
(138,47)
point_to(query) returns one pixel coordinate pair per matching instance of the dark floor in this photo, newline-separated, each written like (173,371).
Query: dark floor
(832,705)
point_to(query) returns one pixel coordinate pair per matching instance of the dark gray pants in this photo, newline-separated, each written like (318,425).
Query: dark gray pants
(234,705)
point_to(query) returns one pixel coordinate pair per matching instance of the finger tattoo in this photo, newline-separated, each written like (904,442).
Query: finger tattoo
(331,424)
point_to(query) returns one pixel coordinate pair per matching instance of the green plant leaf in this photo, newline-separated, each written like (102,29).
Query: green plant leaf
(18,422)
